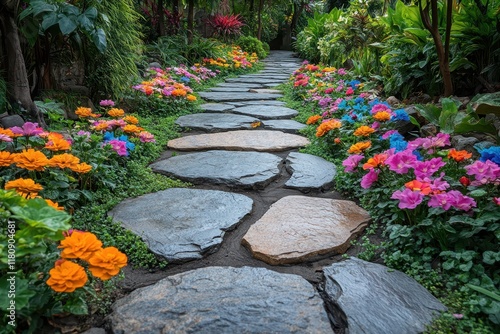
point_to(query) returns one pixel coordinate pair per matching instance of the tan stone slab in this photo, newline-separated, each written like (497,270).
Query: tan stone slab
(242,140)
(298,228)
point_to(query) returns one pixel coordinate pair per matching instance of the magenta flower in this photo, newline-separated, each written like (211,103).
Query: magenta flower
(401,162)
(417,143)
(389,133)
(5,138)
(349,91)
(329,90)
(375,125)
(408,199)
(146,137)
(437,184)
(462,202)
(342,71)
(440,140)
(425,169)
(118,146)
(352,162)
(107,103)
(442,200)
(28,129)
(496,200)
(370,178)
(483,172)
(380,107)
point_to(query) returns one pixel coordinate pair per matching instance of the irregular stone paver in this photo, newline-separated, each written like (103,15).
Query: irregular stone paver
(299,228)
(240,85)
(271,85)
(285,125)
(223,300)
(182,224)
(266,111)
(267,103)
(261,81)
(220,107)
(376,299)
(243,169)
(267,76)
(242,140)
(309,172)
(235,96)
(265,90)
(216,122)
(232,89)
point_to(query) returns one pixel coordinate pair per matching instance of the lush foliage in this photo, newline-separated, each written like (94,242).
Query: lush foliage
(226,27)
(252,45)
(438,207)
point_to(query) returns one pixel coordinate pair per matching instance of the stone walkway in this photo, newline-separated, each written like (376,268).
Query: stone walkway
(254,245)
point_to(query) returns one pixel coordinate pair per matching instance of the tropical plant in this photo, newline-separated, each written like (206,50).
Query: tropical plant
(226,27)
(252,45)
(307,40)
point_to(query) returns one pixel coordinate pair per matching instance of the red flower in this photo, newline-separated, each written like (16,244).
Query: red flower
(464,181)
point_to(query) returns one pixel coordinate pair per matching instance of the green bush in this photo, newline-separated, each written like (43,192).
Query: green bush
(251,45)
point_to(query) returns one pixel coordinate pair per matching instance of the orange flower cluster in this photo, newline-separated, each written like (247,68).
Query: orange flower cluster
(313,119)
(27,188)
(30,159)
(382,116)
(422,187)
(179,92)
(103,263)
(363,131)
(459,155)
(56,142)
(84,112)
(115,112)
(377,161)
(131,119)
(327,126)
(191,97)
(359,147)
(6,159)
(132,128)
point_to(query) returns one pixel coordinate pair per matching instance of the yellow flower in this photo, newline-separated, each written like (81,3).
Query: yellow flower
(107,262)
(363,131)
(66,276)
(191,97)
(31,160)
(80,245)
(359,147)
(115,112)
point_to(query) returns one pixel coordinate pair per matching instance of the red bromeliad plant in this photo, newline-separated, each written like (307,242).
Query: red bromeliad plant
(226,26)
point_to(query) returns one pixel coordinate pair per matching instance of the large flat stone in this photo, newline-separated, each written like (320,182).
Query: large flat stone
(216,107)
(261,81)
(266,111)
(216,122)
(285,125)
(234,169)
(242,140)
(298,228)
(231,89)
(239,85)
(267,76)
(237,96)
(376,299)
(222,300)
(182,224)
(309,172)
(265,90)
(252,103)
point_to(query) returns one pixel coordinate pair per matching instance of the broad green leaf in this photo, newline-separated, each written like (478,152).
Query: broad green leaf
(478,193)
(66,25)
(91,13)
(49,20)
(37,213)
(492,295)
(99,38)
(22,292)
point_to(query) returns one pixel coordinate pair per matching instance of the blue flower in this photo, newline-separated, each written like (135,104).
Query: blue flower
(491,153)
(108,136)
(130,146)
(185,79)
(400,115)
(347,118)
(397,142)
(359,100)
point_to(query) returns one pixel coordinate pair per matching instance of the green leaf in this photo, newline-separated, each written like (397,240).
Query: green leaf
(66,25)
(414,121)
(76,306)
(488,293)
(478,193)
(99,39)
(91,13)
(49,20)
(37,213)
(490,257)
(22,292)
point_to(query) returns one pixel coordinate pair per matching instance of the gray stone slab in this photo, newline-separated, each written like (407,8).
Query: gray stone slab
(241,140)
(266,111)
(230,89)
(296,229)
(223,300)
(265,90)
(261,81)
(271,85)
(376,299)
(239,84)
(211,122)
(285,125)
(237,96)
(232,168)
(309,172)
(219,107)
(182,224)
(251,103)
(266,76)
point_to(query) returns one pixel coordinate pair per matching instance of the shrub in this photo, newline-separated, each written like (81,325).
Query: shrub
(252,45)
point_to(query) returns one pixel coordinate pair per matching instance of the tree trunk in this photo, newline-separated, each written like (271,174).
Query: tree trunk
(287,38)
(442,50)
(17,76)
(190,21)
(259,20)
(161,18)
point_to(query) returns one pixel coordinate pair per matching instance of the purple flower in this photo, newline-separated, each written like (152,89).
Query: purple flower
(107,103)
(483,172)
(427,168)
(352,162)
(28,129)
(442,200)
(408,199)
(401,162)
(387,134)
(370,178)
(417,143)
(5,138)
(440,140)
(462,202)
(118,146)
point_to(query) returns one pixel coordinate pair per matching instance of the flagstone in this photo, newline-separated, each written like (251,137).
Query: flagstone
(211,122)
(237,96)
(285,125)
(309,172)
(220,107)
(266,111)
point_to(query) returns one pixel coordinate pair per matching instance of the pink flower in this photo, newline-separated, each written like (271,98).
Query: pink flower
(107,103)
(401,162)
(349,91)
(146,137)
(380,107)
(329,90)
(389,133)
(458,316)
(462,202)
(440,140)
(417,143)
(342,71)
(496,200)
(442,200)
(427,168)
(5,138)
(370,178)
(28,129)
(408,199)
(375,125)
(352,162)
(118,146)
(483,172)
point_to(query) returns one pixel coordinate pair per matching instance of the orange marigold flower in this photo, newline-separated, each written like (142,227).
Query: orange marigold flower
(382,116)
(359,147)
(81,168)
(8,132)
(191,97)
(422,187)
(55,205)
(115,112)
(80,245)
(313,119)
(459,155)
(67,276)
(84,112)
(255,124)
(337,140)
(327,126)
(24,186)
(6,159)
(131,119)
(57,144)
(101,126)
(131,128)
(31,160)
(363,131)
(64,160)
(179,92)
(376,161)
(107,262)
